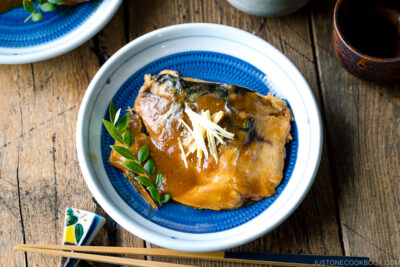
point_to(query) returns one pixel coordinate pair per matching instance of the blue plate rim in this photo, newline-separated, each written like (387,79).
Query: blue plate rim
(64,44)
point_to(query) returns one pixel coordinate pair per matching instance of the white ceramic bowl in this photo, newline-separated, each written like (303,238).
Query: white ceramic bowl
(268,7)
(285,81)
(59,32)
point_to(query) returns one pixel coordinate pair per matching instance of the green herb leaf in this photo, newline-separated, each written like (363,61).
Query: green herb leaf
(143,153)
(129,138)
(123,123)
(117,116)
(29,6)
(165,198)
(134,167)
(37,16)
(115,128)
(40,1)
(112,112)
(144,181)
(159,180)
(56,2)
(154,193)
(150,167)
(47,7)
(113,131)
(126,153)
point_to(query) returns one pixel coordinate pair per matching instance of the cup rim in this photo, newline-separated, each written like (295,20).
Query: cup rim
(352,48)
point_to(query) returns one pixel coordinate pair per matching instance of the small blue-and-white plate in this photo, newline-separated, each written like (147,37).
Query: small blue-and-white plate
(57,33)
(213,53)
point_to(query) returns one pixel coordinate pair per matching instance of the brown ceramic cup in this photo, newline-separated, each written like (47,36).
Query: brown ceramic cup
(366,38)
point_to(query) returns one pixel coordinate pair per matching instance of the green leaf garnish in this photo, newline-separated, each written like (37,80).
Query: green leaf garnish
(123,122)
(134,167)
(47,7)
(154,193)
(126,153)
(112,112)
(117,116)
(165,198)
(113,131)
(129,138)
(159,180)
(126,138)
(37,16)
(56,2)
(28,6)
(150,167)
(144,181)
(143,153)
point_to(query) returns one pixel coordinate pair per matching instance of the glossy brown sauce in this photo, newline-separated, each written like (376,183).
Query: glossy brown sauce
(249,166)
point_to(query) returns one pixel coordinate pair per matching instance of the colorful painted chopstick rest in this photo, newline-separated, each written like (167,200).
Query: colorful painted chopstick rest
(81,227)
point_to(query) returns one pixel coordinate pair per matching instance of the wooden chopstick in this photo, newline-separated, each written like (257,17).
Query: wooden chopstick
(219,255)
(254,258)
(214,256)
(99,258)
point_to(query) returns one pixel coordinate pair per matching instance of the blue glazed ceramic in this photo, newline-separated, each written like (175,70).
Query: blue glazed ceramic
(15,33)
(209,52)
(58,32)
(207,66)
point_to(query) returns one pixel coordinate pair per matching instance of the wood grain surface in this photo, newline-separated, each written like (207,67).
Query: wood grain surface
(363,129)
(352,208)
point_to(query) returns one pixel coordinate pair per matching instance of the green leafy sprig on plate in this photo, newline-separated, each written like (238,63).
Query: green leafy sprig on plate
(142,166)
(45,6)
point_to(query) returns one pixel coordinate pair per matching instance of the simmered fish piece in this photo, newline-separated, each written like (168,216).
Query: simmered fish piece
(219,146)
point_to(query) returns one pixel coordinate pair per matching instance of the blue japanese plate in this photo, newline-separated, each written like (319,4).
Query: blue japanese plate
(57,33)
(214,53)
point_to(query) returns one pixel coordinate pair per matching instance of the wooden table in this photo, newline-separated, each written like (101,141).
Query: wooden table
(353,208)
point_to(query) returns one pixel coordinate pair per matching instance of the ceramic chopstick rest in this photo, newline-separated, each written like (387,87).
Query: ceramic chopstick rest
(81,227)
